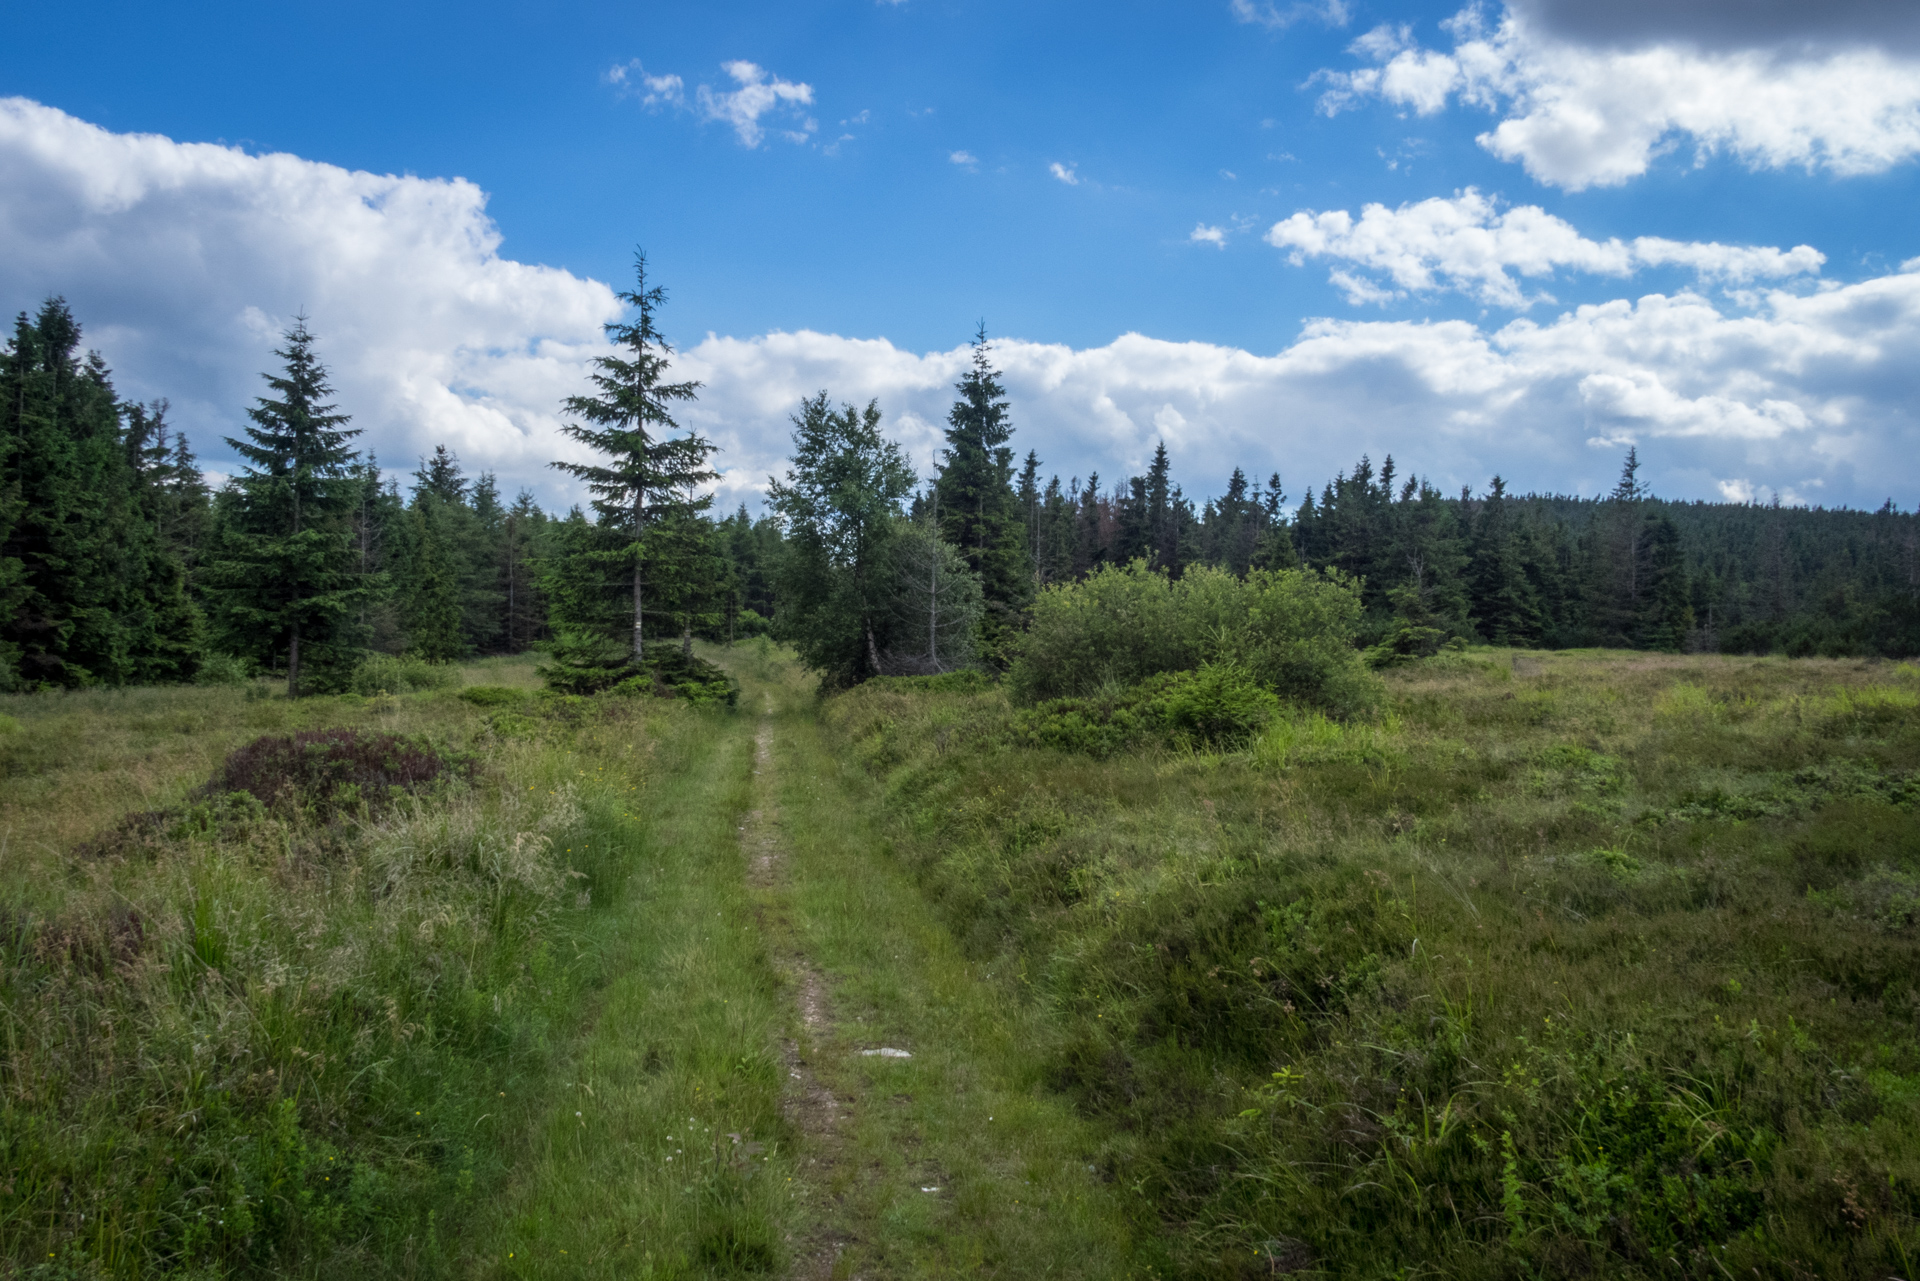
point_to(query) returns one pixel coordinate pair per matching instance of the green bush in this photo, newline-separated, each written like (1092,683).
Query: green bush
(1291,631)
(1219,706)
(391,674)
(492,696)
(223,669)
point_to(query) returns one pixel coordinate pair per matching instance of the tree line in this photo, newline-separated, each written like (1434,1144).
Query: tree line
(120,565)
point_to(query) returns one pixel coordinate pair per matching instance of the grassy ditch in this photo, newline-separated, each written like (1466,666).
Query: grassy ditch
(1564,964)
(285,984)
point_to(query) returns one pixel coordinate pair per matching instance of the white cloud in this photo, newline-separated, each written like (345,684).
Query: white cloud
(1205,235)
(1816,388)
(1578,116)
(632,80)
(185,260)
(1335,13)
(1064,173)
(757,96)
(965,159)
(1360,291)
(1469,244)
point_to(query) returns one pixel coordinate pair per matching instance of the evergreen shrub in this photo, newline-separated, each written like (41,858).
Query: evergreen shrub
(1290,631)
(583,663)
(670,674)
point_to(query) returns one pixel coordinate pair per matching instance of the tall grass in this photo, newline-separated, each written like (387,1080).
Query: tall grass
(1580,964)
(248,1038)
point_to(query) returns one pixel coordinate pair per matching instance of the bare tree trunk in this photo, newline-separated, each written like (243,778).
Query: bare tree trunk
(293,663)
(686,637)
(873,651)
(933,612)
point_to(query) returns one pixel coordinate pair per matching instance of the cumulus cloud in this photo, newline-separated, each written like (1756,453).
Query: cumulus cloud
(1811,395)
(965,159)
(186,260)
(1578,115)
(1065,173)
(1205,235)
(1468,243)
(759,94)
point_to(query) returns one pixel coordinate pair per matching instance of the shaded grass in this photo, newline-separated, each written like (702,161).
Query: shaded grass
(1574,963)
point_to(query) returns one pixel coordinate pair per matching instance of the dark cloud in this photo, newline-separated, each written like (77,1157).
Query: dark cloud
(1787,25)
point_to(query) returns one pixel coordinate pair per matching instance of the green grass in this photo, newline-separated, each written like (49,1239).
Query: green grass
(1567,964)
(262,1044)
(662,1152)
(1564,964)
(1016,1190)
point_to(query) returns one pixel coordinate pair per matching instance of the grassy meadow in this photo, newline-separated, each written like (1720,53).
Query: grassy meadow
(317,1036)
(1564,964)
(1559,964)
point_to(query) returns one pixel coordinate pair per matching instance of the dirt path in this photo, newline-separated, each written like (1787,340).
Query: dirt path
(821,1117)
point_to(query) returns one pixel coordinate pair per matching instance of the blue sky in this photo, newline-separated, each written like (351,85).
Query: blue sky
(1070,173)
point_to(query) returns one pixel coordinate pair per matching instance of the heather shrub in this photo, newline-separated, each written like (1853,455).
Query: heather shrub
(1292,631)
(327,772)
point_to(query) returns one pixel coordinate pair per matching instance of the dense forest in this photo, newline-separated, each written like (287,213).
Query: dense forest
(120,565)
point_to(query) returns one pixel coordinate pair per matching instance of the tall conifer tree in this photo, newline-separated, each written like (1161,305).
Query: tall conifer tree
(286,574)
(649,476)
(978,510)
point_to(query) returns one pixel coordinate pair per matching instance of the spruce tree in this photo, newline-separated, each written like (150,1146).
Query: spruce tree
(285,575)
(91,594)
(1504,608)
(522,542)
(978,510)
(648,475)
(432,585)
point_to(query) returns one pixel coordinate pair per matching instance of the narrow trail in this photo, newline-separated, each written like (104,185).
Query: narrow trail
(926,1143)
(817,1114)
